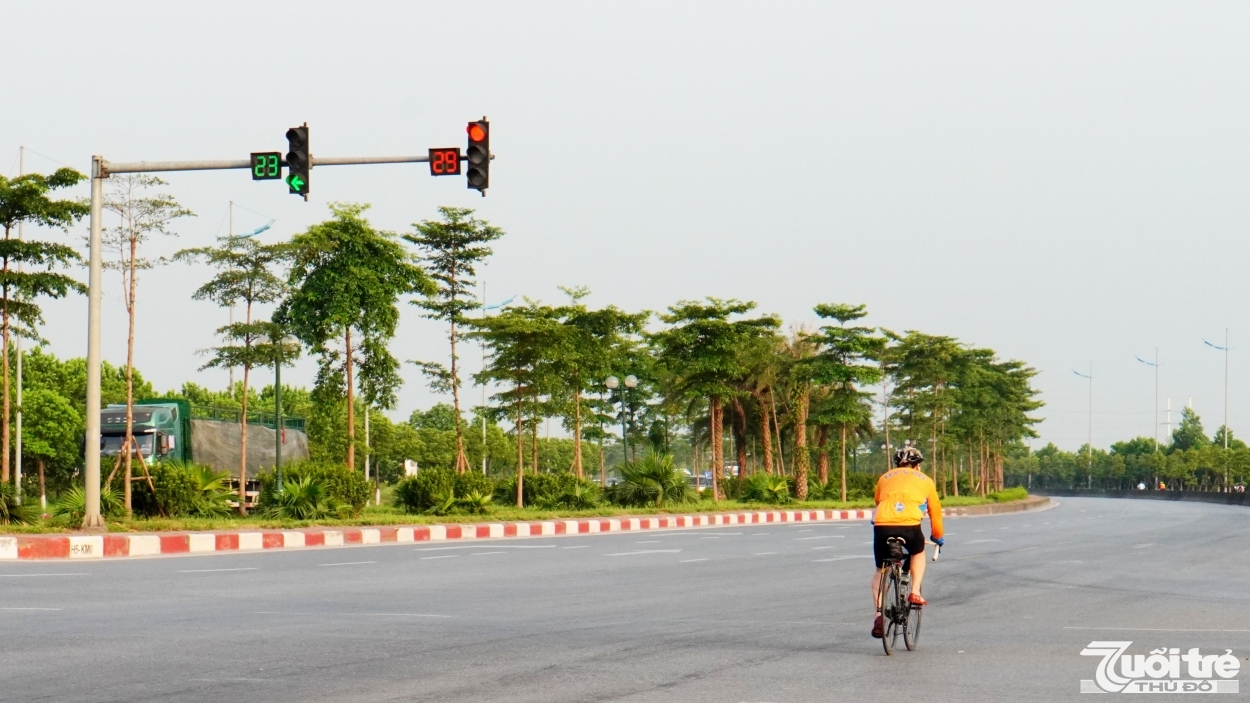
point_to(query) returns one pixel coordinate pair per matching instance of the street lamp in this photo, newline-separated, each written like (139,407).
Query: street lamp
(631,382)
(284,344)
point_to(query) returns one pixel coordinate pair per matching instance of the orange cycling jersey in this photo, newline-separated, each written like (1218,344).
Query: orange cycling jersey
(899,496)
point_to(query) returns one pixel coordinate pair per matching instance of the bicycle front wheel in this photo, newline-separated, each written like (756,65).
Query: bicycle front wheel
(891,615)
(911,627)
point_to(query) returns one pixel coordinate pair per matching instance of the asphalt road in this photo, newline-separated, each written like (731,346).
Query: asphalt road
(750,613)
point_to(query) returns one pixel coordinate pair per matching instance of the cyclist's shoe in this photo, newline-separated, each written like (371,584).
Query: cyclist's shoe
(878,628)
(915,599)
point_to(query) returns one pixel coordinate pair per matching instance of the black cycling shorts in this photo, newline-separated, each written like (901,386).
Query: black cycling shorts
(912,534)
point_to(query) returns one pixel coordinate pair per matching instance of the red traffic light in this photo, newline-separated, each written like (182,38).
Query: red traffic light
(476,132)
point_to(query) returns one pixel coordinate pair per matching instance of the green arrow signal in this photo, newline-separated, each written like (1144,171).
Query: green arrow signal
(295,181)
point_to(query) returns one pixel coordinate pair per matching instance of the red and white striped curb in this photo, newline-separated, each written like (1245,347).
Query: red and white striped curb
(146,545)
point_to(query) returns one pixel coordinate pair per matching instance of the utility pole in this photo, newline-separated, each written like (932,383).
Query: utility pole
(1090,444)
(17,464)
(231,231)
(1156,408)
(101,169)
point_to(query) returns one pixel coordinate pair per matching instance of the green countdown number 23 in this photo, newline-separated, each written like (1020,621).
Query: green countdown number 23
(267,166)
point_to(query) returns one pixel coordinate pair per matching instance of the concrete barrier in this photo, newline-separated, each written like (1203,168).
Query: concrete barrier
(91,546)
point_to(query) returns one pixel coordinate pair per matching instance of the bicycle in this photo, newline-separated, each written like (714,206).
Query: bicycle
(897,613)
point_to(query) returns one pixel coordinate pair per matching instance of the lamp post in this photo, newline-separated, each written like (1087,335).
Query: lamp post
(279,357)
(1155,364)
(613,383)
(1225,433)
(1090,453)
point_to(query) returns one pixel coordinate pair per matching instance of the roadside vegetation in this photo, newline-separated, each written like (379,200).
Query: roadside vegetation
(707,404)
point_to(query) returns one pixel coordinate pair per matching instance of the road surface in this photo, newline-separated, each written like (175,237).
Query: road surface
(744,613)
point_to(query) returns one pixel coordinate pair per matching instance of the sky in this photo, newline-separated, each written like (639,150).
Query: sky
(1063,182)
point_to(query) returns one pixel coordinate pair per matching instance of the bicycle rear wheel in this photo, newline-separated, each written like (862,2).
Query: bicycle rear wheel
(890,613)
(911,626)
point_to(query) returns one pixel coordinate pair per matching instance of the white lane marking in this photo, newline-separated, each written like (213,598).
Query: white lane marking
(801,539)
(712,537)
(852,556)
(976,531)
(440,556)
(439,549)
(643,551)
(209,571)
(980,541)
(1151,629)
(828,547)
(348,563)
(407,615)
(482,554)
(18,576)
(763,554)
(29,608)
(691,561)
(650,541)
(1144,545)
(807,530)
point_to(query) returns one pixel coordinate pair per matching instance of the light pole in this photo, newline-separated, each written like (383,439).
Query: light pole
(283,344)
(1090,452)
(1156,412)
(1225,432)
(613,383)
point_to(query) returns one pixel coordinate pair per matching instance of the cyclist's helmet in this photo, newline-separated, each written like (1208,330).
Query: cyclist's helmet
(908,455)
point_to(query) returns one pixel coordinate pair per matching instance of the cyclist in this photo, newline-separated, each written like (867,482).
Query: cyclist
(902,496)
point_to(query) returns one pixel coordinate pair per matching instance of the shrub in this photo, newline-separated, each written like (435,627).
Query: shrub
(349,488)
(731,487)
(177,490)
(432,488)
(1016,493)
(13,513)
(304,498)
(762,488)
(652,482)
(551,491)
(72,505)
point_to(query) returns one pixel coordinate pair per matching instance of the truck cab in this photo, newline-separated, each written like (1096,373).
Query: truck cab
(161,429)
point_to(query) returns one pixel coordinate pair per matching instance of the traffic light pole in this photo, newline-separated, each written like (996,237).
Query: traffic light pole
(108,168)
(101,169)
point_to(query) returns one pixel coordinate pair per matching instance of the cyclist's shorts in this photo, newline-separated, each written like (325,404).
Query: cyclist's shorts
(913,535)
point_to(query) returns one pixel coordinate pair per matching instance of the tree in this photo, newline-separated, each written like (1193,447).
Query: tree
(53,427)
(244,274)
(843,364)
(141,216)
(589,340)
(520,339)
(450,250)
(347,277)
(439,417)
(704,352)
(25,199)
(1189,434)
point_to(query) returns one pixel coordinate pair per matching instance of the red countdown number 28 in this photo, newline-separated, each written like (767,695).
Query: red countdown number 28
(444,162)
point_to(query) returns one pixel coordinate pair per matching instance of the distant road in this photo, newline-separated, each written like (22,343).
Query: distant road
(742,613)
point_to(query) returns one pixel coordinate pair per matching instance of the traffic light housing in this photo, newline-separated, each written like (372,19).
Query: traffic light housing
(298,160)
(478,155)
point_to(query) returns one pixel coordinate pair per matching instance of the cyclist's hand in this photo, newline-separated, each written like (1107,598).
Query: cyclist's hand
(939,541)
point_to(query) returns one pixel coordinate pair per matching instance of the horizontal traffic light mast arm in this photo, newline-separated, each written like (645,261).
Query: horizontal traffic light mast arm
(108,168)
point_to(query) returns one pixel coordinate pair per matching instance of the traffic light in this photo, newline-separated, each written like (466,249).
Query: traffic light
(297,160)
(478,155)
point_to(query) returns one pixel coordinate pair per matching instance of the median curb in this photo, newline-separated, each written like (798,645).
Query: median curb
(106,546)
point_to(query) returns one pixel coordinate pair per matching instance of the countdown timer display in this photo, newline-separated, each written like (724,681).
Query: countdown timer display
(445,162)
(266,166)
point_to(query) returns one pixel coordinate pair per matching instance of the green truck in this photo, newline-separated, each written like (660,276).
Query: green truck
(173,430)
